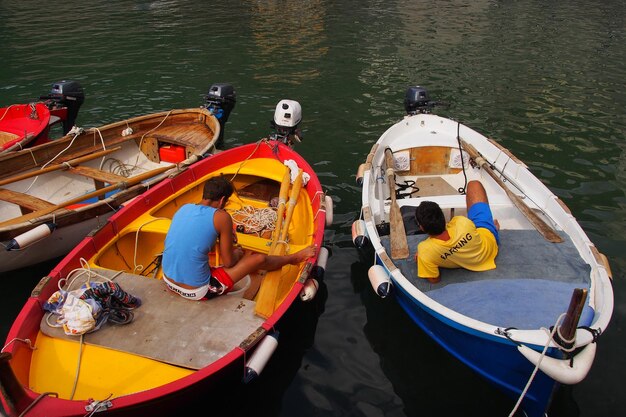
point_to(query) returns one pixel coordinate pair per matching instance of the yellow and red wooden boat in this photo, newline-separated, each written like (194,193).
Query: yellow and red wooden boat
(171,352)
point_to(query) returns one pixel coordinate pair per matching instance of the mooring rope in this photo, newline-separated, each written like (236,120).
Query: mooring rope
(36,400)
(241,164)
(78,363)
(6,111)
(543,354)
(138,268)
(76,132)
(17,339)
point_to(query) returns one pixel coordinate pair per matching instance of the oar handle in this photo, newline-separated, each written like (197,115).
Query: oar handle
(269,287)
(397,232)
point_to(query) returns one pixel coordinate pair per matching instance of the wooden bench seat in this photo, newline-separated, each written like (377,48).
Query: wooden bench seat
(99,176)
(25,201)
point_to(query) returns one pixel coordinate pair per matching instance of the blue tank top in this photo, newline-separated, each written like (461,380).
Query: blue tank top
(190,238)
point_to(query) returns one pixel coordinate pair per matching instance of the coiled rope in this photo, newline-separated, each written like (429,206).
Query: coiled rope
(255,220)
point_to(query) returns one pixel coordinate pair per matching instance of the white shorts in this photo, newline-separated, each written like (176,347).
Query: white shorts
(213,287)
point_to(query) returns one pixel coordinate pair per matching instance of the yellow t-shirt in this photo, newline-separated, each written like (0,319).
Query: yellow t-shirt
(469,247)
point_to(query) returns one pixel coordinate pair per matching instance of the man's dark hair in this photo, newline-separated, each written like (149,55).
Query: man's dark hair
(216,188)
(429,215)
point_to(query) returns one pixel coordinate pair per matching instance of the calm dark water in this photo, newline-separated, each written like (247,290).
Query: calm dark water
(544,78)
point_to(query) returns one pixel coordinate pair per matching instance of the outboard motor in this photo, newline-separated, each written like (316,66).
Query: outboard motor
(66,96)
(220,101)
(417,100)
(287,118)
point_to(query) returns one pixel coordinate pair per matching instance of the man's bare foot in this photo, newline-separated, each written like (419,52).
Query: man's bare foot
(304,254)
(497,223)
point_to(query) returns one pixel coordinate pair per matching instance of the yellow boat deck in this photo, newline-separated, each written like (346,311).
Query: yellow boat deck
(168,338)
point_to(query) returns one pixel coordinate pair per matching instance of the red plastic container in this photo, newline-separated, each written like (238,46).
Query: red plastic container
(172,153)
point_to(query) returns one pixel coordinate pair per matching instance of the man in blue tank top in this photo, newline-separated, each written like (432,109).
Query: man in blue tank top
(194,230)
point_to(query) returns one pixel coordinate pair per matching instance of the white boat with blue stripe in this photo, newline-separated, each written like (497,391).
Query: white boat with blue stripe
(528,325)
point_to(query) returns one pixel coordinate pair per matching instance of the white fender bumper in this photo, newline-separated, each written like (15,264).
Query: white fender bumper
(560,369)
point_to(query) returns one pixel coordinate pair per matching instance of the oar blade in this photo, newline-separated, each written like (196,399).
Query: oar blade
(268,293)
(397,236)
(397,233)
(542,227)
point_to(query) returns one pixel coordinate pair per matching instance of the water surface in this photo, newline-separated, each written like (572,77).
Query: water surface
(543,78)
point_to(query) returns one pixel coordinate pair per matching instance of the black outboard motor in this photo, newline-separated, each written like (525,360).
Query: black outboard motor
(66,94)
(220,101)
(417,100)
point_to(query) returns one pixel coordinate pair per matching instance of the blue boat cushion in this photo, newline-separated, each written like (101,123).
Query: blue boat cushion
(519,303)
(524,256)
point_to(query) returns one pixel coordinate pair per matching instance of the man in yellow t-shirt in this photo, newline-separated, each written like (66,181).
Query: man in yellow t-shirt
(464,242)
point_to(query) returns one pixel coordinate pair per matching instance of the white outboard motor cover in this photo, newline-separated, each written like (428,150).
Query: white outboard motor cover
(288,113)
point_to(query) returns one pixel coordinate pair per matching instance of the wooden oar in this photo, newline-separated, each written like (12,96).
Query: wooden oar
(293,199)
(544,228)
(121,185)
(282,203)
(397,233)
(269,287)
(62,166)
(283,194)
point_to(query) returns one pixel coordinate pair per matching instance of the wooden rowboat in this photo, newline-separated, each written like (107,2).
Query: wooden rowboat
(53,194)
(174,350)
(493,321)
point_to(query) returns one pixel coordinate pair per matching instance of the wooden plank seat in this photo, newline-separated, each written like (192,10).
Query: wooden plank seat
(168,328)
(192,133)
(97,174)
(28,202)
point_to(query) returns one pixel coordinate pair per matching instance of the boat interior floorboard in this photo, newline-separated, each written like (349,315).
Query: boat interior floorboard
(168,328)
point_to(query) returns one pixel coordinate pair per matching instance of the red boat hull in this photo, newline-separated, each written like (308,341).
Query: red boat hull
(22,125)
